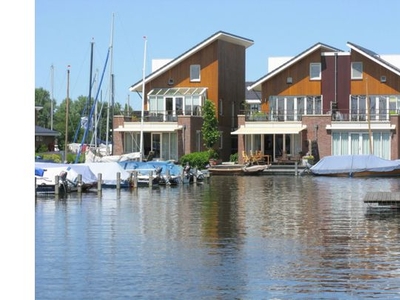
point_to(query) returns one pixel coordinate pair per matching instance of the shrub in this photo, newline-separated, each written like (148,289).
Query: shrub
(234,158)
(195,159)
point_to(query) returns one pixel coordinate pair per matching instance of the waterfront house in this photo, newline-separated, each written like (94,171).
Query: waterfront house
(325,101)
(174,94)
(44,136)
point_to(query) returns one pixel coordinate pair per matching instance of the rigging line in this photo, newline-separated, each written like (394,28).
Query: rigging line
(92,109)
(83,113)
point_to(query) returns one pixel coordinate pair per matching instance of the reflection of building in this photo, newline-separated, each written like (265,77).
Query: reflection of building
(175,94)
(44,136)
(328,102)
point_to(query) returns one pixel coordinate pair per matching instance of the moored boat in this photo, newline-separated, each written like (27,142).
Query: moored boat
(249,169)
(356,166)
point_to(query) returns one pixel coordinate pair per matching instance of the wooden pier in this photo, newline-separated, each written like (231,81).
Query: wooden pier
(383,199)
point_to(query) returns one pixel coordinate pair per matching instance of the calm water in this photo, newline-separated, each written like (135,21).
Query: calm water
(264,237)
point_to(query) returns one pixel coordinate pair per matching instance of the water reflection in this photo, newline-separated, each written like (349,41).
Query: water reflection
(234,237)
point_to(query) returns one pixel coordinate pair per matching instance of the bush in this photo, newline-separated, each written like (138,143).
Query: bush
(195,159)
(234,158)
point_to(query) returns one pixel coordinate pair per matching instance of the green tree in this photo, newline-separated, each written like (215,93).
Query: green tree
(210,129)
(42,99)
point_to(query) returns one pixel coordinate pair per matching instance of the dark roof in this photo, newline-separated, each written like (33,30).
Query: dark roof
(45,131)
(251,94)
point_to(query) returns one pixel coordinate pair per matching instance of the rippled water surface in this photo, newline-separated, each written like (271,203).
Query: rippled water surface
(263,237)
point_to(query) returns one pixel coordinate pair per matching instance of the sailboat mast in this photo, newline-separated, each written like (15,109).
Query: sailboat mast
(143,96)
(110,101)
(368,103)
(66,118)
(51,97)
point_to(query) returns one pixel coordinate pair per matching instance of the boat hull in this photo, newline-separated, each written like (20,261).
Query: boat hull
(238,170)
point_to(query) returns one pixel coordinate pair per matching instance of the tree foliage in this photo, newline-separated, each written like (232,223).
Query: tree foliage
(77,109)
(210,129)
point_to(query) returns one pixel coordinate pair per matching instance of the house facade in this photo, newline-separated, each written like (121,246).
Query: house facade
(325,101)
(44,136)
(173,96)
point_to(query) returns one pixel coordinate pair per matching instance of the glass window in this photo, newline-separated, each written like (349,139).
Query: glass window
(315,71)
(194,72)
(356,70)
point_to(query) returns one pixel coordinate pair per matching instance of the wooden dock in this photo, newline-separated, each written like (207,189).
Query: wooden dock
(383,198)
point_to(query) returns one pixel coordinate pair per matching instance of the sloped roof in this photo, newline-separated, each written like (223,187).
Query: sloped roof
(220,35)
(251,94)
(45,131)
(374,57)
(318,46)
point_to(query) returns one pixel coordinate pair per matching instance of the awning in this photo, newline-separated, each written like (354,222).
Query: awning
(159,127)
(360,126)
(270,130)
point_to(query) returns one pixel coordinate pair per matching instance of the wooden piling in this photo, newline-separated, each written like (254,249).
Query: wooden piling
(150,178)
(79,183)
(99,181)
(118,186)
(57,185)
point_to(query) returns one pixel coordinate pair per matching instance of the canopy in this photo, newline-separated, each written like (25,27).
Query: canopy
(149,127)
(270,130)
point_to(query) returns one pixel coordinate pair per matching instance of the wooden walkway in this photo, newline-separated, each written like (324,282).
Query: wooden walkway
(383,198)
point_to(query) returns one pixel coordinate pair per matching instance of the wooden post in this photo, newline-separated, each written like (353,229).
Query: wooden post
(57,185)
(135,179)
(118,181)
(150,178)
(99,181)
(79,183)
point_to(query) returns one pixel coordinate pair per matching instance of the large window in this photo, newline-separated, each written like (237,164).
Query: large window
(379,107)
(355,143)
(166,103)
(356,70)
(292,108)
(165,145)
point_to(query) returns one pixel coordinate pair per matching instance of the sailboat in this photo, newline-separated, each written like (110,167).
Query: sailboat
(96,154)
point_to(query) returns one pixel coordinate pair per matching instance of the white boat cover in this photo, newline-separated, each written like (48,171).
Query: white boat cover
(72,170)
(337,164)
(108,171)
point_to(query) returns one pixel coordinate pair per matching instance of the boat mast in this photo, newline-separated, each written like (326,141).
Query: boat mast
(51,97)
(143,96)
(368,103)
(111,99)
(66,118)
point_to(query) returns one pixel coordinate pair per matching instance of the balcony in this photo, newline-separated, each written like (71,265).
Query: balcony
(161,116)
(339,116)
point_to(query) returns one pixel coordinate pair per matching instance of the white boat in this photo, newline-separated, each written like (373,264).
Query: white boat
(355,166)
(109,171)
(235,169)
(45,174)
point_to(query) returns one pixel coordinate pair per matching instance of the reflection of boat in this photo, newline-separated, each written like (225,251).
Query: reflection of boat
(250,169)
(356,166)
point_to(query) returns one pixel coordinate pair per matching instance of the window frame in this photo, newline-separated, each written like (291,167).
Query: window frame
(195,73)
(354,69)
(312,69)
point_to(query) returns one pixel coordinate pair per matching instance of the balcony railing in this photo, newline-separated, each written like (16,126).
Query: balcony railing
(339,115)
(161,116)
